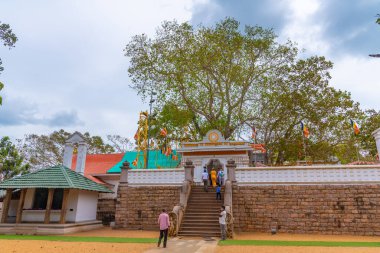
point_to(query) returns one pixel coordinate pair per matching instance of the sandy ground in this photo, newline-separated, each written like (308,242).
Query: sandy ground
(108,232)
(10,246)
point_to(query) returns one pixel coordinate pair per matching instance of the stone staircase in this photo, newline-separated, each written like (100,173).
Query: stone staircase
(201,217)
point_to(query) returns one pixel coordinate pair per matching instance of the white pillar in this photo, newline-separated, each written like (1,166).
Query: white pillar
(81,158)
(376,135)
(68,155)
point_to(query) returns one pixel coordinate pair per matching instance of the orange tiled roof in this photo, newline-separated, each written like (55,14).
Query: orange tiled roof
(98,164)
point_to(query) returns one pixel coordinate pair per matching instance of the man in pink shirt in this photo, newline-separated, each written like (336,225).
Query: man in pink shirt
(163,221)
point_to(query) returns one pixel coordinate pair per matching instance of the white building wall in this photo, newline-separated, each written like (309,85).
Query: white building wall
(72,205)
(29,198)
(87,205)
(342,174)
(115,183)
(39,216)
(201,161)
(156,177)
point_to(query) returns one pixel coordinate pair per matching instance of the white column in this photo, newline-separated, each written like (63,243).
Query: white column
(376,135)
(68,155)
(81,158)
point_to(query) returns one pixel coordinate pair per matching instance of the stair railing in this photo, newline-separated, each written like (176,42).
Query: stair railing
(231,166)
(178,212)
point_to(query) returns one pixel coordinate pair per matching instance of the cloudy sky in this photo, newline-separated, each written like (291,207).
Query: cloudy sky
(68,70)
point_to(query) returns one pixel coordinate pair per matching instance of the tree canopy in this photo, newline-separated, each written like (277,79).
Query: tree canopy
(216,73)
(231,79)
(8,38)
(11,162)
(47,150)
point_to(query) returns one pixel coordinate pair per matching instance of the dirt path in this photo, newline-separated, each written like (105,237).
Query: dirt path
(187,245)
(10,246)
(108,232)
(182,245)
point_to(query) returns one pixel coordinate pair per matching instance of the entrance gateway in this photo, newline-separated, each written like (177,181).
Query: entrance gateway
(213,152)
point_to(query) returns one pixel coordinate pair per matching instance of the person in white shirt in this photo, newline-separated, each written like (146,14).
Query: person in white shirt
(222,222)
(205,179)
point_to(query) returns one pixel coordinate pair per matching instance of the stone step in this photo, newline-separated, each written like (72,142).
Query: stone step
(196,233)
(210,191)
(213,199)
(201,217)
(204,204)
(215,205)
(196,206)
(200,226)
(212,218)
(204,215)
(201,214)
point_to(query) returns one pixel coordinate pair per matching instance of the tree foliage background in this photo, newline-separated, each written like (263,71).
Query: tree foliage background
(12,162)
(231,78)
(8,38)
(42,151)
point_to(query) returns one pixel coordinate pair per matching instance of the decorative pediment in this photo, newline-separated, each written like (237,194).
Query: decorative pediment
(214,136)
(75,138)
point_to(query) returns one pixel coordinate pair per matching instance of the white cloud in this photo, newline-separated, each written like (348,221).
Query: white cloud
(69,58)
(304,27)
(360,77)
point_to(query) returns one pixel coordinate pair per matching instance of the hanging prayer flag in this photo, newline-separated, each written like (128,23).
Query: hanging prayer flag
(163,132)
(355,126)
(136,135)
(168,151)
(305,130)
(254,132)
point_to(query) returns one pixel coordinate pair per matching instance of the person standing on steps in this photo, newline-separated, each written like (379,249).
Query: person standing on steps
(222,222)
(220,177)
(164,223)
(218,192)
(205,179)
(213,177)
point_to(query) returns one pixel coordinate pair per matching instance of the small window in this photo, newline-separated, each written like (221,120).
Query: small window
(41,196)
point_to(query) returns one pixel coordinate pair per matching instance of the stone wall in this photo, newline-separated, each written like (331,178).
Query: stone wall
(106,210)
(322,209)
(139,207)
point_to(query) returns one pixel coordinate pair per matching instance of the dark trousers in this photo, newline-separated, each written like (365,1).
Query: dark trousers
(164,234)
(218,196)
(205,185)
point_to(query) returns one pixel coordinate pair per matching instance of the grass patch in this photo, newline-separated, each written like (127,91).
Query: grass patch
(298,243)
(78,239)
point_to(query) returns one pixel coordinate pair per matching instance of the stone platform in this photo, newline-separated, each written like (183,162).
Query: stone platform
(48,229)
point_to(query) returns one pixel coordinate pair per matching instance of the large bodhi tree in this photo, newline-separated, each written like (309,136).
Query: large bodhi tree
(217,73)
(231,79)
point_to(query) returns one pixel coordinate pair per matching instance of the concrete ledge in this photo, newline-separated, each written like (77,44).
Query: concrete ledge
(48,229)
